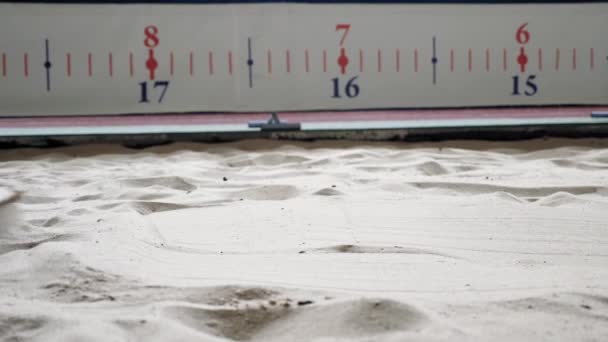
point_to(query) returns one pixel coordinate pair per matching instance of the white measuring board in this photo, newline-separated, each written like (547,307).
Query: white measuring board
(81,59)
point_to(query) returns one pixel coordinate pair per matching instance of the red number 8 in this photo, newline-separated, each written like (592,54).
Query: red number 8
(151,33)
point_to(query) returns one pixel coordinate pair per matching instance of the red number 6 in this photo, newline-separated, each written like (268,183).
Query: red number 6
(522,36)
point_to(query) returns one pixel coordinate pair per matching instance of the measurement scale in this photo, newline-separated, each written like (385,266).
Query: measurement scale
(97,59)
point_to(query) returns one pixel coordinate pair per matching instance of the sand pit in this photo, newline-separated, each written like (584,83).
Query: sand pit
(328,241)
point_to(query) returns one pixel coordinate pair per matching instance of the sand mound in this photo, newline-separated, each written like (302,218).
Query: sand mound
(267,193)
(357,319)
(336,241)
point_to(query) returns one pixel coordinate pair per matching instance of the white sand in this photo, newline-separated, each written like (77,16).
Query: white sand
(308,242)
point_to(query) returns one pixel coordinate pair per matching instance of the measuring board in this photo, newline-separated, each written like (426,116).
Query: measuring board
(96,59)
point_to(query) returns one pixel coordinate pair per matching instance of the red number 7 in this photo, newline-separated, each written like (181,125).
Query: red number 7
(346,28)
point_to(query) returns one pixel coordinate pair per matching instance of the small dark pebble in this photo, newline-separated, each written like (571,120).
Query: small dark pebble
(585,306)
(112,298)
(99,220)
(333,186)
(305,302)
(301,252)
(225,179)
(530,307)
(286,305)
(143,321)
(272,302)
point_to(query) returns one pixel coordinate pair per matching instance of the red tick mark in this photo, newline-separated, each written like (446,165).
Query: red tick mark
(26,70)
(269,62)
(90,64)
(397,60)
(487,59)
(68,60)
(151,64)
(451,60)
(522,59)
(343,61)
(360,60)
(111,64)
(230,62)
(210,62)
(191,64)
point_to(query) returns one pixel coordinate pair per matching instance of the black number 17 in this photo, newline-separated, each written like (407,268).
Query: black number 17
(144,90)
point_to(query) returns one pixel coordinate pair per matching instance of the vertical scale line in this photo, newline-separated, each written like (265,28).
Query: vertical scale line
(68,69)
(191,64)
(591,58)
(379,60)
(111,64)
(504,59)
(47,64)
(540,59)
(131,67)
(249,62)
(397,60)
(324,60)
(487,60)
(307,60)
(26,71)
(451,60)
(574,59)
(434,60)
(210,62)
(416,60)
(269,61)
(230,62)
(470,60)
(90,63)
(360,60)
(288,60)
(3,64)
(557,59)
(171,64)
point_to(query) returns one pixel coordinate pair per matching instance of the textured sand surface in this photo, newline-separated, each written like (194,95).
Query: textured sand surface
(268,241)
